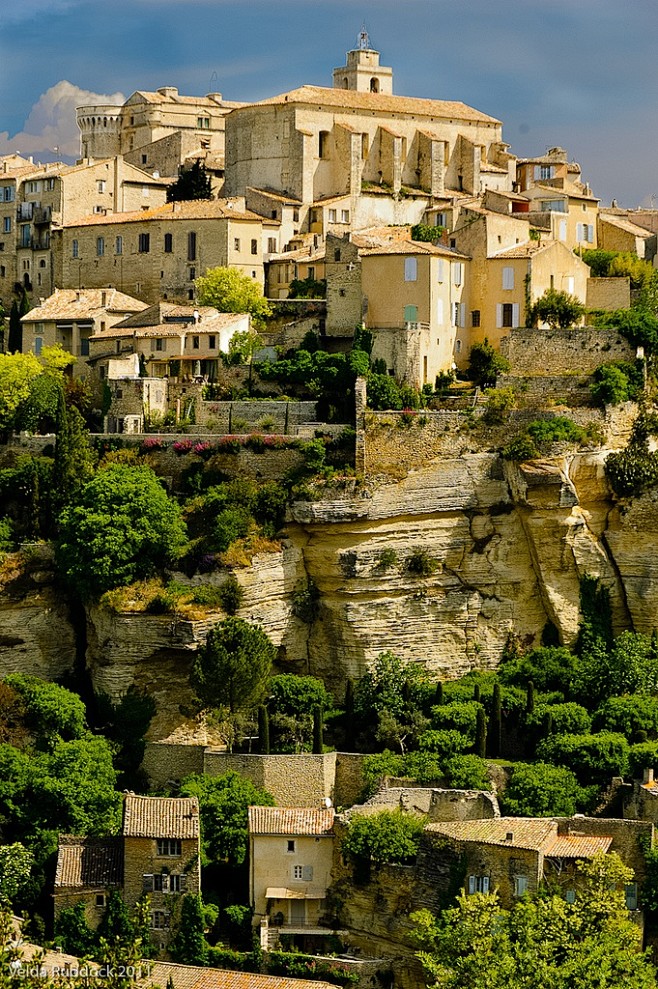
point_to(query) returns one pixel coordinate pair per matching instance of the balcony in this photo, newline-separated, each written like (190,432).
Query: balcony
(39,243)
(42,214)
(24,211)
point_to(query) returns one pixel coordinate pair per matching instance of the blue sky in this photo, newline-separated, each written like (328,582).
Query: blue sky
(575,73)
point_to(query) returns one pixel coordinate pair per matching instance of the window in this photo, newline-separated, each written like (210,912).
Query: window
(508,278)
(323,144)
(337,254)
(168,243)
(570,896)
(144,159)
(295,215)
(75,249)
(544,172)
(100,185)
(159,920)
(520,885)
(203,123)
(475,317)
(191,246)
(26,235)
(3,271)
(169,846)
(196,342)
(6,224)
(254,246)
(630,892)
(585,232)
(100,899)
(118,349)
(507,314)
(212,342)
(457,273)
(344,216)
(100,246)
(458,346)
(192,274)
(177,883)
(160,344)
(84,346)
(303,872)
(311,272)
(8,194)
(290,845)
(411,314)
(458,313)
(569,284)
(553,206)
(332,216)
(478,884)
(118,245)
(236,243)
(38,344)
(144,243)
(410,269)
(271,245)
(146,192)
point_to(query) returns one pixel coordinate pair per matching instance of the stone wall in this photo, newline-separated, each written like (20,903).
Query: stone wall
(265,416)
(572,390)
(293,780)
(608,293)
(437,804)
(167,761)
(577,351)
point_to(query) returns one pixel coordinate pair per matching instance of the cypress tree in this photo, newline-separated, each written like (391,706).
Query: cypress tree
(476,693)
(530,698)
(318,733)
(481,734)
(438,696)
(263,730)
(15,338)
(547,724)
(350,730)
(496,725)
(189,945)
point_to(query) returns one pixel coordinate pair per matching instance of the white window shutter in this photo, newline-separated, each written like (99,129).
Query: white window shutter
(590,233)
(537,171)
(457,273)
(439,310)
(570,284)
(508,277)
(563,230)
(515,314)
(472,884)
(440,270)
(499,315)
(485,884)
(462,314)
(307,873)
(182,882)
(410,269)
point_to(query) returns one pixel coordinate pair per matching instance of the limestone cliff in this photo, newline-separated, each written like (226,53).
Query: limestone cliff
(502,547)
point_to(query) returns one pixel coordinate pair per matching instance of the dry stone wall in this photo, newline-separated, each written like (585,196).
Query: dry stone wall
(576,351)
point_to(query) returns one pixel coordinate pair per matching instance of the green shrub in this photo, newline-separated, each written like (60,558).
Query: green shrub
(467,772)
(391,837)
(485,364)
(542,790)
(642,756)
(230,594)
(550,668)
(593,758)
(377,767)
(444,741)
(544,432)
(558,309)
(616,383)
(628,715)
(231,524)
(566,719)
(633,470)
(520,449)
(6,540)
(459,716)
(498,402)
(421,564)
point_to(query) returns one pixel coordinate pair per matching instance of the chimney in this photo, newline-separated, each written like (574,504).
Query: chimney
(647,776)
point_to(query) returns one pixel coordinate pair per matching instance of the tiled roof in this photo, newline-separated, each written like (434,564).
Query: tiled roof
(276,195)
(351,100)
(521,250)
(89,862)
(160,817)
(157,313)
(301,254)
(567,190)
(414,247)
(575,846)
(183,100)
(200,209)
(85,303)
(190,977)
(530,833)
(622,223)
(291,820)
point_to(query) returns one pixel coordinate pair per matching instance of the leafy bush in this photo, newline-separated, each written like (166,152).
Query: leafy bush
(550,668)
(376,767)
(421,564)
(542,790)
(556,309)
(633,470)
(383,393)
(557,430)
(459,716)
(230,594)
(467,772)
(593,758)
(566,719)
(642,756)
(498,402)
(51,712)
(6,540)
(231,524)
(520,449)
(444,741)
(391,837)
(485,364)
(617,383)
(628,715)
(297,695)
(639,326)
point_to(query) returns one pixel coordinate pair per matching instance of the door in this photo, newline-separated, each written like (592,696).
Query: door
(297,912)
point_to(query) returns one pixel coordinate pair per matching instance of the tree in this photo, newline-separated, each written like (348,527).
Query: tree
(540,790)
(232,668)
(189,945)
(17,372)
(72,932)
(387,837)
(223,805)
(50,712)
(123,527)
(116,925)
(228,290)
(485,364)
(15,338)
(73,464)
(593,758)
(542,941)
(15,865)
(192,183)
(556,308)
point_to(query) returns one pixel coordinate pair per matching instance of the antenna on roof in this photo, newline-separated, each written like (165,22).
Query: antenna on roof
(363,40)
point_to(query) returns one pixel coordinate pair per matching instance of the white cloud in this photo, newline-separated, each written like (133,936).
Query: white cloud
(51,122)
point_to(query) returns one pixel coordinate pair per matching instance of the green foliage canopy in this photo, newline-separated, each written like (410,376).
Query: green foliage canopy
(228,290)
(232,668)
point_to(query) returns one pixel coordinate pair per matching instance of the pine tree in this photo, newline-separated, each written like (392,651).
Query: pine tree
(438,696)
(318,734)
(189,944)
(263,730)
(73,465)
(116,926)
(192,183)
(495,737)
(481,734)
(15,339)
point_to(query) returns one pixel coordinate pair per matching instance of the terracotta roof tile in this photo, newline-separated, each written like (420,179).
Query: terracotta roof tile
(276,195)
(574,846)
(414,247)
(521,250)
(352,100)
(85,303)
(201,209)
(530,833)
(291,820)
(623,223)
(160,817)
(190,977)
(89,862)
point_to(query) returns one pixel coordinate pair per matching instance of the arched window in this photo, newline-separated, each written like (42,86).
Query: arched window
(374,85)
(323,144)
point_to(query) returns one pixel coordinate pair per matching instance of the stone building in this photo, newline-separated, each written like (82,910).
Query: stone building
(37,200)
(290,861)
(158,253)
(155,130)
(358,142)
(157,853)
(70,317)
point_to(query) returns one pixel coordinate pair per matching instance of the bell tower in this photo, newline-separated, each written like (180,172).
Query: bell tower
(362,72)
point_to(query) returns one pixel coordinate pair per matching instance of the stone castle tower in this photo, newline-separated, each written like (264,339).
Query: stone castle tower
(362,72)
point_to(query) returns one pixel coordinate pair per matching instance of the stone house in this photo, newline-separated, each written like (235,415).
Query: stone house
(35,200)
(156,854)
(290,860)
(70,317)
(158,253)
(515,855)
(619,233)
(282,269)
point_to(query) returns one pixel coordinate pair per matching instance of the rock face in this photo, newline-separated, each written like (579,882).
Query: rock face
(440,567)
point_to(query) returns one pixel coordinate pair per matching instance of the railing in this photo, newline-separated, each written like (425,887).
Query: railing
(43,214)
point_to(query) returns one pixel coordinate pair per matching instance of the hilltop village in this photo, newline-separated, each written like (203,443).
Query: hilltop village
(328,591)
